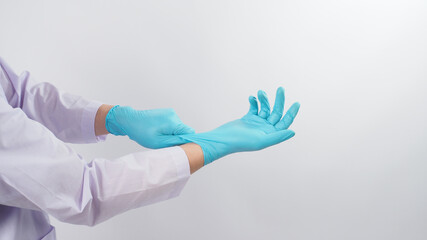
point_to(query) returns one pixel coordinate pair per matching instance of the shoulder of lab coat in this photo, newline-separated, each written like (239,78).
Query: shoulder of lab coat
(70,117)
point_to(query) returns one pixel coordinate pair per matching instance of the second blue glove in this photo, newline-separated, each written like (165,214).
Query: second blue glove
(254,131)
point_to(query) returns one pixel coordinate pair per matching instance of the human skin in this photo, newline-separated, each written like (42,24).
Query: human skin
(192,150)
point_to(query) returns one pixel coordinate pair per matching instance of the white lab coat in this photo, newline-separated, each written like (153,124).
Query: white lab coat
(40,174)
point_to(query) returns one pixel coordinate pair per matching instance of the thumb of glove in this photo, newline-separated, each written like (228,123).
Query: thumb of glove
(278,137)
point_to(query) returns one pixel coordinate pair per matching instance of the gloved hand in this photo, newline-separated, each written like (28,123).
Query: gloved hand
(254,131)
(157,128)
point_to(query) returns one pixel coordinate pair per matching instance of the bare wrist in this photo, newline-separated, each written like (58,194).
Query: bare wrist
(195,156)
(101,114)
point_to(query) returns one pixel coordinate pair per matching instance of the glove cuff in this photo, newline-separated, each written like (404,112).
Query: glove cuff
(111,123)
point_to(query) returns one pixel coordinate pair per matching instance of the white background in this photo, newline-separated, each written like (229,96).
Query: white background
(356,168)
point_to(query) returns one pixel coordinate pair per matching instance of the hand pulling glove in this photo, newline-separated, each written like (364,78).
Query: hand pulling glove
(157,128)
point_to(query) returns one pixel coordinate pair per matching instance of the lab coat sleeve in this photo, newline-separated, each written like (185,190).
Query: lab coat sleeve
(40,172)
(69,117)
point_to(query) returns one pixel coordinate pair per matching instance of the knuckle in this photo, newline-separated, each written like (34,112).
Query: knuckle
(289,119)
(170,111)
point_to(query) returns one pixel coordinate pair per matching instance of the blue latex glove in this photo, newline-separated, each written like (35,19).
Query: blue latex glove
(157,128)
(254,131)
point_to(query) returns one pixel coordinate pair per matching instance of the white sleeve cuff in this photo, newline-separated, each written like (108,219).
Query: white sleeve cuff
(88,123)
(182,169)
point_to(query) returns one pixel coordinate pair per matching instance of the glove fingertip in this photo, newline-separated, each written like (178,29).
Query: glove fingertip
(189,130)
(296,107)
(289,134)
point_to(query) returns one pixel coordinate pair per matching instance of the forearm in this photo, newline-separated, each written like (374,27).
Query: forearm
(93,192)
(69,117)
